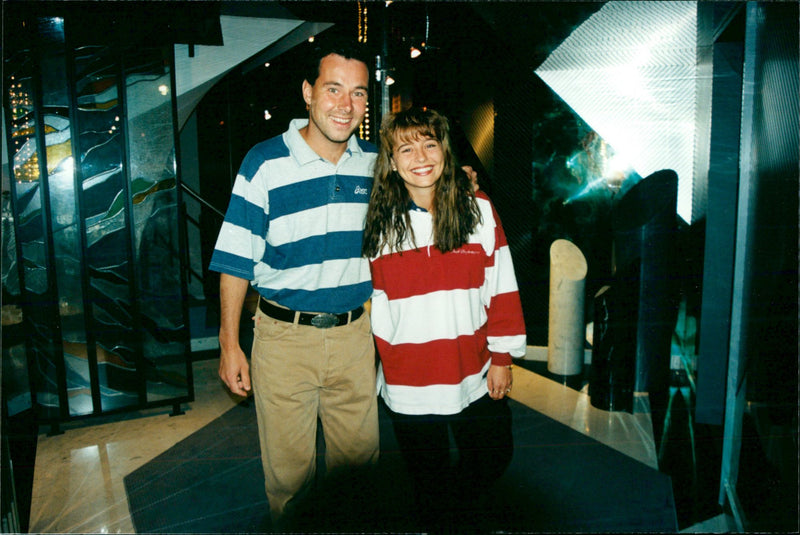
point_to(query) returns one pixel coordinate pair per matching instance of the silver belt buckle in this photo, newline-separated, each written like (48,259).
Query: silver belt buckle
(325,321)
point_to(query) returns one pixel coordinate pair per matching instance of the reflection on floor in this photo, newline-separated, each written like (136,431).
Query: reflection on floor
(78,477)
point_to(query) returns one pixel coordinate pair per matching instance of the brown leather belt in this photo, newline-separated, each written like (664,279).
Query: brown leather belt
(321,321)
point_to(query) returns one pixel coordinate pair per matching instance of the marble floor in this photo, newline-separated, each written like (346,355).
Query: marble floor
(78,476)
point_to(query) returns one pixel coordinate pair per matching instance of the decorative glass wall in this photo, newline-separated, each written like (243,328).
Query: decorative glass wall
(96,219)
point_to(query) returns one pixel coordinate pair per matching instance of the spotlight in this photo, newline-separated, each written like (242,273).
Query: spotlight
(415,52)
(389,80)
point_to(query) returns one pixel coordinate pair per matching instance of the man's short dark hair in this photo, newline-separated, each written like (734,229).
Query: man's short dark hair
(323,47)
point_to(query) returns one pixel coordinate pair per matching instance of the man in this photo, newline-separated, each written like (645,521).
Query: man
(294,228)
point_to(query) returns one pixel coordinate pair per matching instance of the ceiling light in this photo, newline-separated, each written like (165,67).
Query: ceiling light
(389,80)
(415,52)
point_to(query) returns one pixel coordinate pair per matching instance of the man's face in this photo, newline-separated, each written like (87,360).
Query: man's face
(337,101)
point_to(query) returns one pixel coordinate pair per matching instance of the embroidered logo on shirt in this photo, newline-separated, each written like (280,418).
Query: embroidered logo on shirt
(361,191)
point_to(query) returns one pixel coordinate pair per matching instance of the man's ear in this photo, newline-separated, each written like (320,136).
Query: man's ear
(307,91)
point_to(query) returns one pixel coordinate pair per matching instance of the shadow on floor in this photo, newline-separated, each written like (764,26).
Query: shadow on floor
(558,480)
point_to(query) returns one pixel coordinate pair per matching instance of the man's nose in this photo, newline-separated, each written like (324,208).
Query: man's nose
(346,102)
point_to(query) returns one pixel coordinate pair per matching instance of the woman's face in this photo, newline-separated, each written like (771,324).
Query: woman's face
(419,160)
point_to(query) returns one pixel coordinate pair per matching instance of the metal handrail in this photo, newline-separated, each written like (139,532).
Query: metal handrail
(196,196)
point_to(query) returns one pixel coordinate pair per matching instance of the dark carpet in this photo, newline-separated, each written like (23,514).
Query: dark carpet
(559,481)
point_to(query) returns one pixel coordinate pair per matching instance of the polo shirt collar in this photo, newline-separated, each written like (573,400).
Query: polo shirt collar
(412,206)
(302,152)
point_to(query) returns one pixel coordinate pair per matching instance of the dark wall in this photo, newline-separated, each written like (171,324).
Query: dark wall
(720,240)
(771,343)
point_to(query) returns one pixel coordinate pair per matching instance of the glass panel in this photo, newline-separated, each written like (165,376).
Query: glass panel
(104,194)
(155,220)
(16,389)
(91,251)
(16,383)
(64,215)
(30,227)
(27,178)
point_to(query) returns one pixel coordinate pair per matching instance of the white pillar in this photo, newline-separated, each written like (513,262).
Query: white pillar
(566,331)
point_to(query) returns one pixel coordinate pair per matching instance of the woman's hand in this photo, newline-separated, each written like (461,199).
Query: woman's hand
(499,380)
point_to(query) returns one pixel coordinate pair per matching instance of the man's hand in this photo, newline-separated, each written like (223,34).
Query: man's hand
(235,371)
(233,367)
(472,174)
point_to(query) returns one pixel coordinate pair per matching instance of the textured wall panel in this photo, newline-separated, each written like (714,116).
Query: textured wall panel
(629,71)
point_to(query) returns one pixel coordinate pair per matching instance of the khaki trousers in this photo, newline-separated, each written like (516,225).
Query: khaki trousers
(301,373)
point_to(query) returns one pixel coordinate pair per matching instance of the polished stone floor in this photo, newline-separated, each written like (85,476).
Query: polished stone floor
(78,477)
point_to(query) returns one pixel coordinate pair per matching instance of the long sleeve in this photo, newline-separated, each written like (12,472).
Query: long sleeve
(505,332)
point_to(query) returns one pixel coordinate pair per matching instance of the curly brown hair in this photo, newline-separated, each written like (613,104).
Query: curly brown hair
(455,211)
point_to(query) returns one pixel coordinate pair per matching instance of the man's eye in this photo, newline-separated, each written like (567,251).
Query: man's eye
(360,94)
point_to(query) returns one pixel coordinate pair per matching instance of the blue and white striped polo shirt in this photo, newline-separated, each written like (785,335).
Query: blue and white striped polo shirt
(295,222)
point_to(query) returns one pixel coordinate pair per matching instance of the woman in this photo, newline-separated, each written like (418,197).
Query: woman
(446,313)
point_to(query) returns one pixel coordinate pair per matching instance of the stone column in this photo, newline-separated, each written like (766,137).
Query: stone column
(566,328)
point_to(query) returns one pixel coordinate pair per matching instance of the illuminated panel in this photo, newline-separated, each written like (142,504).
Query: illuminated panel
(629,73)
